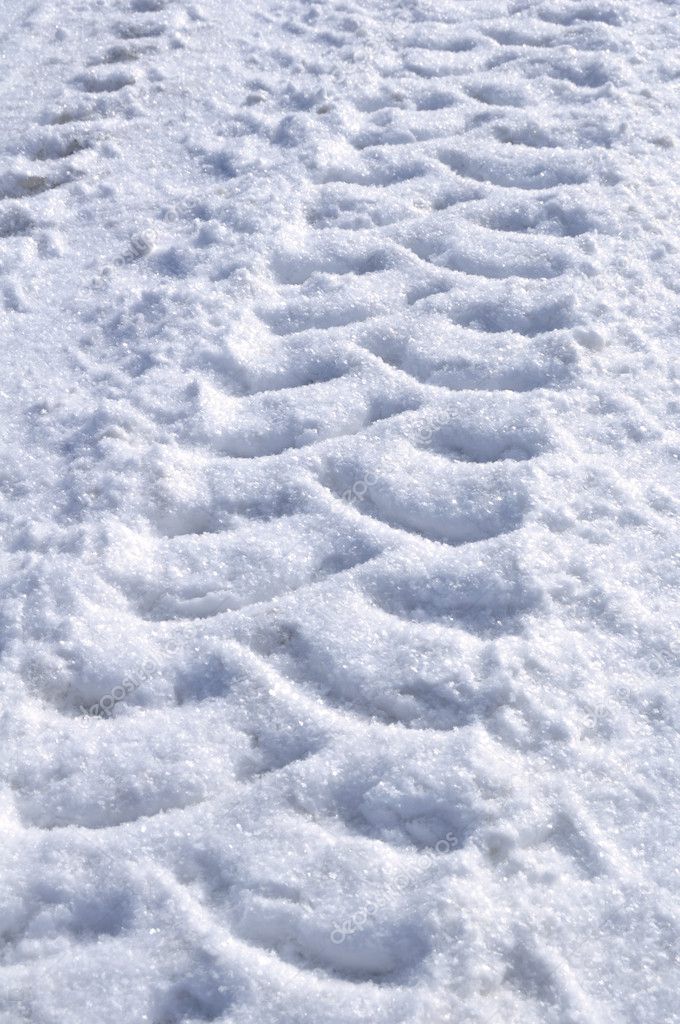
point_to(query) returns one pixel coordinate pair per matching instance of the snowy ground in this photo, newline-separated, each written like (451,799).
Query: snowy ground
(339,496)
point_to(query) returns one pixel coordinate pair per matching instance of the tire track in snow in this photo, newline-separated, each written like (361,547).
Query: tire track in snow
(405,315)
(324,299)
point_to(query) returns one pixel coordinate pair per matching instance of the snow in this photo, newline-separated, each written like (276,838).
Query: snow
(339,476)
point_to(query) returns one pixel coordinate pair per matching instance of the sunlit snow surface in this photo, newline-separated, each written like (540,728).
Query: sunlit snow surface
(339,494)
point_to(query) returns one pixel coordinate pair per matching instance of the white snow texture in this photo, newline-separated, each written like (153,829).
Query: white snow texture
(339,498)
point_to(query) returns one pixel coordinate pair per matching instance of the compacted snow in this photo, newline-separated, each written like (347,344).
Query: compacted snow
(339,495)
